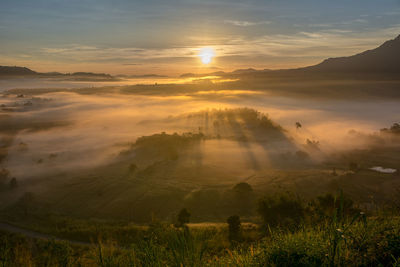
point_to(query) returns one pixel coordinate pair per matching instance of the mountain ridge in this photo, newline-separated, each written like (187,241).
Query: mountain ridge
(24,71)
(381,62)
(385,58)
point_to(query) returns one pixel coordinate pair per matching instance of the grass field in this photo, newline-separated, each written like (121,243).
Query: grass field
(339,238)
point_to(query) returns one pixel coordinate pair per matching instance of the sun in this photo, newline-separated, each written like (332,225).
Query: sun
(206,55)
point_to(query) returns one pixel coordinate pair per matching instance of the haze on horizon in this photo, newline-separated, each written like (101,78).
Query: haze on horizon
(135,37)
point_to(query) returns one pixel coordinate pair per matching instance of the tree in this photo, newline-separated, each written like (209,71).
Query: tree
(353,166)
(282,210)
(243,188)
(25,203)
(325,206)
(13,183)
(132,168)
(313,144)
(204,202)
(302,155)
(4,173)
(243,198)
(183,217)
(234,227)
(394,129)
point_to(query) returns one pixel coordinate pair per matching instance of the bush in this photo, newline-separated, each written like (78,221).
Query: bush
(325,206)
(234,227)
(183,218)
(282,210)
(13,183)
(304,248)
(243,198)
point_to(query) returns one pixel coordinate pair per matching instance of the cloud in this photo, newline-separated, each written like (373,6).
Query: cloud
(392,13)
(93,53)
(24,56)
(304,47)
(131,64)
(361,20)
(325,42)
(244,23)
(318,25)
(351,22)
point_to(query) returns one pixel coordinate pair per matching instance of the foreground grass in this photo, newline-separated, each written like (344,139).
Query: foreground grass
(363,242)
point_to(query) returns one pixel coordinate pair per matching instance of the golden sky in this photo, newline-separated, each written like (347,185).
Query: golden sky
(166,37)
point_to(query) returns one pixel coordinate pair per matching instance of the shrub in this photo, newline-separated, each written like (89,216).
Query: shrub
(234,227)
(132,167)
(326,205)
(13,183)
(353,166)
(282,210)
(243,198)
(303,248)
(183,218)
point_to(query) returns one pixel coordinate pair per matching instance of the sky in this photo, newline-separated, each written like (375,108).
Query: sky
(166,37)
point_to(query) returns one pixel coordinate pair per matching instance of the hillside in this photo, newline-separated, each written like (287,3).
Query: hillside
(15,71)
(385,58)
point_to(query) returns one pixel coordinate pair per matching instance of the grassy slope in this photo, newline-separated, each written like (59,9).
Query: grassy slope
(368,242)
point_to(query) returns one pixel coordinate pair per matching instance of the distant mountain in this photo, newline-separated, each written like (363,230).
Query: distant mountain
(379,63)
(385,58)
(144,76)
(16,71)
(193,75)
(242,71)
(90,74)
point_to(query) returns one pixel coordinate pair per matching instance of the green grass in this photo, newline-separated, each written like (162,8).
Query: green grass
(356,241)
(377,244)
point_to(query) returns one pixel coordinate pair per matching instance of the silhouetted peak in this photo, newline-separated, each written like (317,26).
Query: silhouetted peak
(383,59)
(14,70)
(391,43)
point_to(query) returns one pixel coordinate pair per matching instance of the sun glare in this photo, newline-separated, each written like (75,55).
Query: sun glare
(206,54)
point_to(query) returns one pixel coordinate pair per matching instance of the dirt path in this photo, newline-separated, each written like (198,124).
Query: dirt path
(6,227)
